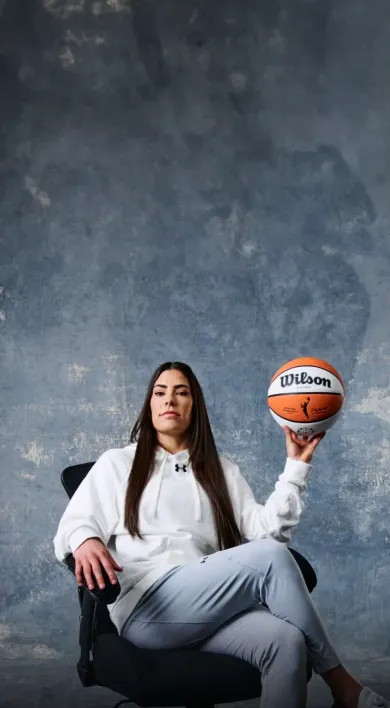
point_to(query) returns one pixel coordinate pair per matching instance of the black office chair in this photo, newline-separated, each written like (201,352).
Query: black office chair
(149,677)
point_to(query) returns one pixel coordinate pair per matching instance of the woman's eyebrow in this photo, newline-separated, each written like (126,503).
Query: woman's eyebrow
(177,386)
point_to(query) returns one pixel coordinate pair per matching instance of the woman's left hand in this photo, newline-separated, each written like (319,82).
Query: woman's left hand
(301,449)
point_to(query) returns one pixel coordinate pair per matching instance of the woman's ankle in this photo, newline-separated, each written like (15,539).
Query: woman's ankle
(344,687)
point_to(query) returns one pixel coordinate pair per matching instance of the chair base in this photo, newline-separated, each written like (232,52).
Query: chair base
(189,705)
(126,700)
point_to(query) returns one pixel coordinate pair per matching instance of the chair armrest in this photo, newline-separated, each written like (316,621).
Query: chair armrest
(306,569)
(109,593)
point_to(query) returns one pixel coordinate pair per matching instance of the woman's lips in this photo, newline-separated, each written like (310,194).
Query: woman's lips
(173,414)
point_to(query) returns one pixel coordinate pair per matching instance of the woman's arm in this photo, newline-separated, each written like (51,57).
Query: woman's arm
(93,511)
(282,510)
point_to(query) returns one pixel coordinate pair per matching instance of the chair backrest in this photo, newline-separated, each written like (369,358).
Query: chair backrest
(72,476)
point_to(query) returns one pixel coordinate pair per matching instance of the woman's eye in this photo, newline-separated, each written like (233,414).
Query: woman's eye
(180,393)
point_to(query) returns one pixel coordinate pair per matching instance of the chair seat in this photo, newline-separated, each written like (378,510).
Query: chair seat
(172,677)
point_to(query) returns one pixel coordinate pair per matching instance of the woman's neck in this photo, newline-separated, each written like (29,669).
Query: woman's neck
(171,444)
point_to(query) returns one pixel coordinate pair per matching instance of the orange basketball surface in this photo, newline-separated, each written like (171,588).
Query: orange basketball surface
(305,407)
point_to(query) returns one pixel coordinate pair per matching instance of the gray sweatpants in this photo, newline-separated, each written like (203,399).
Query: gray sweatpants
(218,604)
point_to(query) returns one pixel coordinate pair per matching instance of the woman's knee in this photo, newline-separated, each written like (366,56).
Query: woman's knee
(289,640)
(276,550)
(293,636)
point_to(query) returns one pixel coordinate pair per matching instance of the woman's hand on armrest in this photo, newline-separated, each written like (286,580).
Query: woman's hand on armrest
(90,556)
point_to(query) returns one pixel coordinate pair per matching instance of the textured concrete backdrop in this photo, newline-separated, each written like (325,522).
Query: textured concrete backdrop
(204,181)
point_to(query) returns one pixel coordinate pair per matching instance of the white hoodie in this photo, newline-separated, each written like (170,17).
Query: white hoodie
(175,517)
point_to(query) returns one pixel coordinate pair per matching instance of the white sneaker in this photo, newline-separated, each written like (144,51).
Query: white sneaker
(369,699)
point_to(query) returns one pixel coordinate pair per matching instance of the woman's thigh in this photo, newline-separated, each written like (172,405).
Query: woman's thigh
(189,603)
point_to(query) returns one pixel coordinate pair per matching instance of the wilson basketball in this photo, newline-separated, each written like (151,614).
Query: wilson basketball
(307,395)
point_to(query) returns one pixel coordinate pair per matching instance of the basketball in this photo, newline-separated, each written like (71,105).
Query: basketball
(307,395)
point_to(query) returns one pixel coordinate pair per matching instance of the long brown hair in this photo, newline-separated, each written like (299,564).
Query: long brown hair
(203,456)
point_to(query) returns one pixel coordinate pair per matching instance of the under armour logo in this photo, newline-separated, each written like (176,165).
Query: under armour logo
(183,467)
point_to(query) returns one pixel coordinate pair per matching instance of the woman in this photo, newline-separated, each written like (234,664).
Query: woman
(174,529)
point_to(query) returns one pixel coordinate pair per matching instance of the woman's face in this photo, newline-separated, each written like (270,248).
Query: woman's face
(171,392)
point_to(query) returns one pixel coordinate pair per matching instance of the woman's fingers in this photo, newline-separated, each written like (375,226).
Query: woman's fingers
(109,570)
(87,570)
(97,571)
(307,440)
(317,439)
(79,572)
(113,561)
(300,442)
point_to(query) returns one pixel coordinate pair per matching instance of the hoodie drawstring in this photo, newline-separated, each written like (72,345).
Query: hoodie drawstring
(160,476)
(198,506)
(198,513)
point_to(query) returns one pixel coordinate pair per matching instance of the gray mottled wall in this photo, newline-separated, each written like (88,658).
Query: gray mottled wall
(206,182)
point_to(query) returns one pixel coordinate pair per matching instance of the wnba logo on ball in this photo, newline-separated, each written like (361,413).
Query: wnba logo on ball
(306,394)
(303,378)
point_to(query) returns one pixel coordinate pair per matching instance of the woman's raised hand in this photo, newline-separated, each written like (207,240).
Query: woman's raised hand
(301,449)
